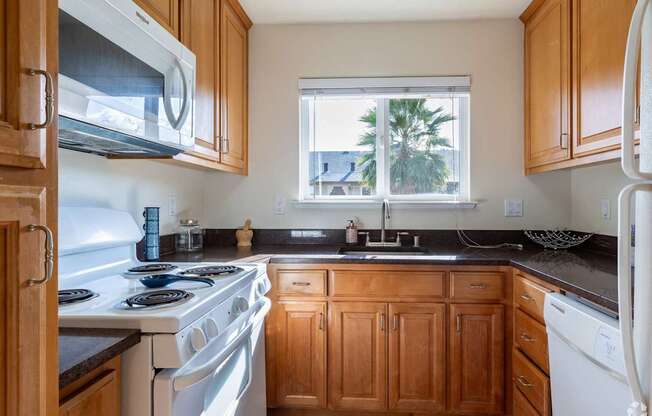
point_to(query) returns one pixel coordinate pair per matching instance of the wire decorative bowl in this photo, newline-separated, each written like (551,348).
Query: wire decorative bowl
(556,239)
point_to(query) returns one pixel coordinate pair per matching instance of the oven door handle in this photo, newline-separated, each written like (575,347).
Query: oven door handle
(181,383)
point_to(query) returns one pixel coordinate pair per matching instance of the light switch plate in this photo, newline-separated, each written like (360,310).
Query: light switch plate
(172,205)
(279,205)
(513,207)
(605,209)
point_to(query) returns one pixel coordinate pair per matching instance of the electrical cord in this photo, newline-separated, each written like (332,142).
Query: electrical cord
(468,242)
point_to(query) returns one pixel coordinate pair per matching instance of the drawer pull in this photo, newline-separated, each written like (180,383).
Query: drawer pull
(300,283)
(525,337)
(524,382)
(527,297)
(477,286)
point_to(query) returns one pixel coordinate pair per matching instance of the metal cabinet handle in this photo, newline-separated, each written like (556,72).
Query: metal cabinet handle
(524,382)
(49,99)
(300,283)
(321,321)
(382,321)
(49,253)
(563,140)
(526,297)
(224,145)
(458,324)
(477,286)
(525,337)
(395,322)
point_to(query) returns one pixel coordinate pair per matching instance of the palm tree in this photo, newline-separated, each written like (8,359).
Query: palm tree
(415,164)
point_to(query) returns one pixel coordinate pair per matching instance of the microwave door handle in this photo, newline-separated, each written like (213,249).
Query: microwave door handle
(176,122)
(625,289)
(629,90)
(181,383)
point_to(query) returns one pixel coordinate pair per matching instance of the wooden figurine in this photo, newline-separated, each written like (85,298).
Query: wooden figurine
(245,234)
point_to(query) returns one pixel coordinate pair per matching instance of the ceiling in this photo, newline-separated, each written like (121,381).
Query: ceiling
(336,11)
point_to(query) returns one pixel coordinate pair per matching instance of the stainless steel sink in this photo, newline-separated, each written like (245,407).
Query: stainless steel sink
(383,251)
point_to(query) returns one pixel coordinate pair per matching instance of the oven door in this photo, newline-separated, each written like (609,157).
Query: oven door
(121,71)
(214,382)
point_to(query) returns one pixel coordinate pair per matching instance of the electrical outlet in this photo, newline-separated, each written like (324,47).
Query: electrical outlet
(279,205)
(605,209)
(172,205)
(513,207)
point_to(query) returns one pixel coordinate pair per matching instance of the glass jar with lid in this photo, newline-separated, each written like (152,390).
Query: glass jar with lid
(190,236)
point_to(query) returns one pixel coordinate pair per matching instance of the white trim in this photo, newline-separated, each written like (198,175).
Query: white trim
(386,82)
(375,204)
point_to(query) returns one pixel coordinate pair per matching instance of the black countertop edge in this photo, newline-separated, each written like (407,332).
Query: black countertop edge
(84,349)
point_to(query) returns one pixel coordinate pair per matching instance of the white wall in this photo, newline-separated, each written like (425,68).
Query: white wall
(589,186)
(491,51)
(130,185)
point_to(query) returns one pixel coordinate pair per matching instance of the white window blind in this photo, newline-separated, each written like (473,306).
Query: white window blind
(394,86)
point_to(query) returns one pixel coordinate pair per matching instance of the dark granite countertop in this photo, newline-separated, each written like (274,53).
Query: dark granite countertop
(82,350)
(588,274)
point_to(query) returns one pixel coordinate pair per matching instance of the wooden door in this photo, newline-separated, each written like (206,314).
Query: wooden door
(600,29)
(234,85)
(301,361)
(357,356)
(547,84)
(100,398)
(417,357)
(476,361)
(28,196)
(166,13)
(200,32)
(24,103)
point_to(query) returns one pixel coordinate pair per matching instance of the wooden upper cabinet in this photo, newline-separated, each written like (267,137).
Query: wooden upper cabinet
(166,13)
(547,84)
(200,32)
(417,357)
(234,50)
(301,354)
(357,361)
(476,361)
(26,98)
(600,30)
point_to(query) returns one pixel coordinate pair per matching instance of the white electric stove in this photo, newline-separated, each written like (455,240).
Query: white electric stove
(202,338)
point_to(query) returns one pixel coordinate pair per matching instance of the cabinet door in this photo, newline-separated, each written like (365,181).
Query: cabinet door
(600,30)
(101,398)
(547,84)
(476,358)
(357,361)
(301,371)
(166,13)
(233,87)
(24,105)
(417,357)
(200,32)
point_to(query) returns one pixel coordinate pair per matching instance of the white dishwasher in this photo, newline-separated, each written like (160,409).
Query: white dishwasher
(587,372)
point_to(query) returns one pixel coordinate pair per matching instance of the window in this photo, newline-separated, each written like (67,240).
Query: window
(376,138)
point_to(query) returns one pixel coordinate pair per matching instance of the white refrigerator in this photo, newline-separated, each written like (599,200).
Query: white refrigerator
(635,206)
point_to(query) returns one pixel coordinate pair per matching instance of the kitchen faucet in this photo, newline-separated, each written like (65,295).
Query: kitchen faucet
(385,215)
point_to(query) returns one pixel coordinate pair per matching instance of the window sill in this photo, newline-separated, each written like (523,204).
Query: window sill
(374,204)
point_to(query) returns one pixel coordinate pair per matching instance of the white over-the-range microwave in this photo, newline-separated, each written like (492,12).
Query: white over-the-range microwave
(126,85)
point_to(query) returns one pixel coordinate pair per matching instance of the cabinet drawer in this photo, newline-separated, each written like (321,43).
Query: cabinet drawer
(532,339)
(380,283)
(532,382)
(302,282)
(529,297)
(521,406)
(477,285)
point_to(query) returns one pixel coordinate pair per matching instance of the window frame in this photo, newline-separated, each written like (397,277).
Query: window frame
(306,137)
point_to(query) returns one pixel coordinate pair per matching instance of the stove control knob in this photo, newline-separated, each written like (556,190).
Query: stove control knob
(212,330)
(240,306)
(197,339)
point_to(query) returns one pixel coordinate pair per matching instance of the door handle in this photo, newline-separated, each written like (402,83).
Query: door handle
(524,382)
(321,321)
(563,140)
(458,324)
(395,323)
(49,254)
(49,99)
(525,337)
(382,321)
(224,145)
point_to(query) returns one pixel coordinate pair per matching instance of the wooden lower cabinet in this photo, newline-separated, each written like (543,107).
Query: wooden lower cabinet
(521,406)
(301,371)
(357,362)
(476,362)
(417,357)
(97,393)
